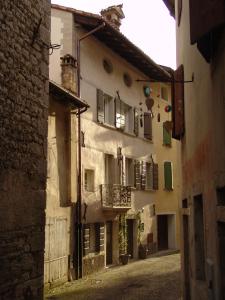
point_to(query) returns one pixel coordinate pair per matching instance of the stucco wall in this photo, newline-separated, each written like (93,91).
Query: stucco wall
(100,139)
(203,160)
(23,123)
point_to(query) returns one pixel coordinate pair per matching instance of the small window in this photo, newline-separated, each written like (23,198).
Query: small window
(168,175)
(127,79)
(220,196)
(164,93)
(149,176)
(129,163)
(107,65)
(167,135)
(89,180)
(120,114)
(148,126)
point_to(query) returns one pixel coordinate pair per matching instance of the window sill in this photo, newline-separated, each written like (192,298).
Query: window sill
(109,126)
(168,190)
(167,145)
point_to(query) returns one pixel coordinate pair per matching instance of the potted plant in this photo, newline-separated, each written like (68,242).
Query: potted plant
(142,251)
(124,256)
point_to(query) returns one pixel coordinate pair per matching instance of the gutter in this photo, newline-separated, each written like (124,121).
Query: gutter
(78,216)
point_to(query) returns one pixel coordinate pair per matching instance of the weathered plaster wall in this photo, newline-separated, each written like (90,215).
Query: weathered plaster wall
(203,158)
(23,127)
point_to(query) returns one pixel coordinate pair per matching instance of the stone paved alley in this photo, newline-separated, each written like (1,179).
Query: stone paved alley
(155,278)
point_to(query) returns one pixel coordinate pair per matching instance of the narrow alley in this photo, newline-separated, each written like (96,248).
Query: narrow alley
(155,278)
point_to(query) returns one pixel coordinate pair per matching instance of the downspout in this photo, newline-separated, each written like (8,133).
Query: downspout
(79,226)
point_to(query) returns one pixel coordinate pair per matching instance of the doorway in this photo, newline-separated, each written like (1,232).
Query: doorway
(109,232)
(187,294)
(162,232)
(130,237)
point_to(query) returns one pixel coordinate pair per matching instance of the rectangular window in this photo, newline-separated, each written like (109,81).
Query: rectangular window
(136,122)
(119,114)
(105,108)
(164,93)
(220,196)
(109,109)
(149,176)
(129,169)
(89,180)
(148,126)
(168,176)
(167,135)
(129,118)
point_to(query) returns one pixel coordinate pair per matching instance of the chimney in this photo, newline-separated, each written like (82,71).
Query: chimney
(69,74)
(113,15)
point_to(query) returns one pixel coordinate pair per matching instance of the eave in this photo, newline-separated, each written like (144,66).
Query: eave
(66,96)
(118,43)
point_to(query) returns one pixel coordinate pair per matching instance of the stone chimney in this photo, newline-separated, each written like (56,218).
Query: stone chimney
(113,14)
(69,73)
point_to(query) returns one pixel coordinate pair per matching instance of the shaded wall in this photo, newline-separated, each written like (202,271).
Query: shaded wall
(23,127)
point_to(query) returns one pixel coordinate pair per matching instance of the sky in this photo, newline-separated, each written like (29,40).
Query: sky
(147,24)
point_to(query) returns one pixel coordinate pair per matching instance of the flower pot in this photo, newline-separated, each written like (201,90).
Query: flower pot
(142,252)
(124,258)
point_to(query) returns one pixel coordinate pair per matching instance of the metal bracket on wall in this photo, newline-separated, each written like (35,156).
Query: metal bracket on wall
(36,38)
(167,81)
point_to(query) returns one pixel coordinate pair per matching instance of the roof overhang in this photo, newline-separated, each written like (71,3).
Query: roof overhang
(118,43)
(66,96)
(171,6)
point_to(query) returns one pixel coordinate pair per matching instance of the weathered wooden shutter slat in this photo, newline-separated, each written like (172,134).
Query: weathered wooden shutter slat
(143,175)
(155,176)
(102,236)
(136,122)
(166,136)
(168,175)
(100,106)
(148,126)
(86,239)
(178,104)
(137,175)
(205,15)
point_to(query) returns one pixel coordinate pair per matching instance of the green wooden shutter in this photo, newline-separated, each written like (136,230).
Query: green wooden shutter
(166,136)
(100,106)
(168,175)
(136,122)
(99,237)
(148,126)
(155,176)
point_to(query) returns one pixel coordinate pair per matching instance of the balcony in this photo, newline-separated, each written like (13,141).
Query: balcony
(115,197)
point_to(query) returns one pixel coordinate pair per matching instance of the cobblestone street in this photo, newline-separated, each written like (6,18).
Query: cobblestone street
(155,278)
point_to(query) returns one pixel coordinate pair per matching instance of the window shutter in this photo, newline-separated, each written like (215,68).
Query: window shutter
(99,237)
(155,176)
(179,11)
(86,239)
(166,136)
(205,15)
(143,175)
(136,122)
(137,175)
(168,175)
(178,104)
(148,126)
(100,106)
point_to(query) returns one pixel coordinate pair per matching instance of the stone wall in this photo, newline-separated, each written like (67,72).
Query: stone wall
(23,131)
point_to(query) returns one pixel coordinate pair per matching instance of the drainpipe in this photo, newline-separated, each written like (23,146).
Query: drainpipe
(79,227)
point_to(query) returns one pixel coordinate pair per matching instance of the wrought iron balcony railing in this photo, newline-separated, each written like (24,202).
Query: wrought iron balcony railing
(115,196)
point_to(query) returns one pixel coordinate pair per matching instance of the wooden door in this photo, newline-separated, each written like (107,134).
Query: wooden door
(56,250)
(109,242)
(130,237)
(162,231)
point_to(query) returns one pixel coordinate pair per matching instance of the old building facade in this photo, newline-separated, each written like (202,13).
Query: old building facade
(24,75)
(199,122)
(129,163)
